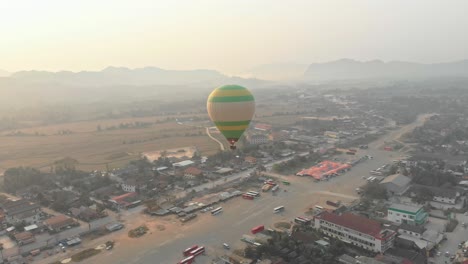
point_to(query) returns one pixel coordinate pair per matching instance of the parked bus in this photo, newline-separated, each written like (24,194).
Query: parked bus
(247,196)
(254,194)
(302,220)
(190,249)
(278,209)
(217,211)
(187,260)
(197,251)
(257,229)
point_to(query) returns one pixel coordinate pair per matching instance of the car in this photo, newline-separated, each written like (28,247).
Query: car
(439,253)
(447,254)
(226,246)
(466,213)
(452,257)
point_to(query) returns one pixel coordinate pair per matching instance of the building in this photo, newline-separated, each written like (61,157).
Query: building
(250,160)
(59,222)
(125,201)
(396,184)
(331,134)
(132,185)
(24,238)
(407,214)
(441,195)
(257,139)
(192,172)
(356,230)
(21,211)
(183,164)
(262,127)
(279,135)
(411,230)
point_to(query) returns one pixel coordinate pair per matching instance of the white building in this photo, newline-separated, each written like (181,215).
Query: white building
(407,214)
(356,230)
(132,186)
(21,211)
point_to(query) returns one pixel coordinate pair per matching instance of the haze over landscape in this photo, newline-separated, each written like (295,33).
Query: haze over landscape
(221,131)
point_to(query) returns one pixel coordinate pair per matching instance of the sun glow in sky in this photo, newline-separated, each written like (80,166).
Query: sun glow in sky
(229,36)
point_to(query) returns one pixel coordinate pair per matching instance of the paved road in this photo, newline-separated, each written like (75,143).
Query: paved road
(453,239)
(221,145)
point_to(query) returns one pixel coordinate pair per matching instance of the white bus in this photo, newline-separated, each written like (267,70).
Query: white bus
(278,209)
(319,208)
(302,220)
(217,211)
(254,194)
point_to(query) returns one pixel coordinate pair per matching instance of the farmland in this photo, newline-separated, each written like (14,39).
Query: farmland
(95,148)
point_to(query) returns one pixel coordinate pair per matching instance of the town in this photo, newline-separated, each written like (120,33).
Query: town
(347,181)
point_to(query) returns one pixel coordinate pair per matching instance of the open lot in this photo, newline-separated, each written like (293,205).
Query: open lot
(94,149)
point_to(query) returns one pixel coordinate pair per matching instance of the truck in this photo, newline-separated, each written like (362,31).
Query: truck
(257,229)
(286,183)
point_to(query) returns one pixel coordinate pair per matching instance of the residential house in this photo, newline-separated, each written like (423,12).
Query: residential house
(279,135)
(411,230)
(132,185)
(59,222)
(407,214)
(24,238)
(21,211)
(356,230)
(250,160)
(441,195)
(84,213)
(396,184)
(192,172)
(125,201)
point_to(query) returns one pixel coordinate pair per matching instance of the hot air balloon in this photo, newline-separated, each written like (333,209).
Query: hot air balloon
(231,107)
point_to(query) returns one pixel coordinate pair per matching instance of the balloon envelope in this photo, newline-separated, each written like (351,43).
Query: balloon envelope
(231,108)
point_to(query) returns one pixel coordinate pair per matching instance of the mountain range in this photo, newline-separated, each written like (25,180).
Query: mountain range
(347,69)
(111,84)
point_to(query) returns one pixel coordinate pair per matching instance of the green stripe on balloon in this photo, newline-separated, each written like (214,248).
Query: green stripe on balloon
(232,123)
(232,133)
(231,99)
(231,87)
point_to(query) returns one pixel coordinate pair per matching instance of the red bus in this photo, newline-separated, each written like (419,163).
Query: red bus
(187,260)
(190,249)
(257,229)
(247,196)
(197,251)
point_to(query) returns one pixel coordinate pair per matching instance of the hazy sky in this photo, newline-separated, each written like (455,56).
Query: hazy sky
(229,36)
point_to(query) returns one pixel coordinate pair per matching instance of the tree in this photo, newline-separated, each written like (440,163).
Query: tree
(65,164)
(374,190)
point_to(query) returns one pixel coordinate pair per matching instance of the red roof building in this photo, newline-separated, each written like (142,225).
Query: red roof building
(192,172)
(126,200)
(324,169)
(357,230)
(250,159)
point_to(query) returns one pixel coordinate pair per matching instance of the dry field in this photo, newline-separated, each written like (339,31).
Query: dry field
(93,149)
